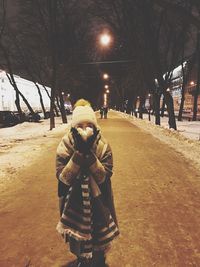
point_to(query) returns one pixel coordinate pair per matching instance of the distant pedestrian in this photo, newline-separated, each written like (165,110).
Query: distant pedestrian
(84,167)
(102,112)
(105,112)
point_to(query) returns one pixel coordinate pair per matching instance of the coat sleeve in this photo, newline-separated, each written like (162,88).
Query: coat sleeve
(67,164)
(101,168)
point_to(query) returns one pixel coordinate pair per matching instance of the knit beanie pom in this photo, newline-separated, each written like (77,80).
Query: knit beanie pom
(83,112)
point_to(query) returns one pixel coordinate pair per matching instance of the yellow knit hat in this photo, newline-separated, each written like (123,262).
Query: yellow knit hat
(83,112)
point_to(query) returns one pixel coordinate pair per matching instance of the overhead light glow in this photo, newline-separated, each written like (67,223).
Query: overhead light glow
(105,39)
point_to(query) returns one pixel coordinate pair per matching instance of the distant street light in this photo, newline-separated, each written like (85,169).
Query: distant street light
(105,39)
(168,90)
(106,86)
(192,83)
(63,93)
(107,91)
(105,76)
(105,100)
(149,113)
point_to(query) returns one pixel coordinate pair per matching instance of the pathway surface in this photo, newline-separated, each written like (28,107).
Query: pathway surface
(157,197)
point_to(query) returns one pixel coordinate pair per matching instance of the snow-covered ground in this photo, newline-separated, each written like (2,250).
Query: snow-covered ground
(189,129)
(20,145)
(188,147)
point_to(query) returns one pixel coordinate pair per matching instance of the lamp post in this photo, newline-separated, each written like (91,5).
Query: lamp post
(105,99)
(149,107)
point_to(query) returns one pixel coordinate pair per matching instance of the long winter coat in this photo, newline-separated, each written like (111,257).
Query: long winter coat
(70,166)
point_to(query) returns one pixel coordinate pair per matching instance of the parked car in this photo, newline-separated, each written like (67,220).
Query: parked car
(8,118)
(33,117)
(24,116)
(40,112)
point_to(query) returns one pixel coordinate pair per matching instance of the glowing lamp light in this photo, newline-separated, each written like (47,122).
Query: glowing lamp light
(105,100)
(106,86)
(107,91)
(105,76)
(191,83)
(105,39)
(168,90)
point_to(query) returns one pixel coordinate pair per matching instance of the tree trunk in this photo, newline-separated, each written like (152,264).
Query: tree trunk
(141,105)
(62,108)
(130,106)
(196,93)
(58,104)
(180,113)
(46,91)
(162,108)
(170,108)
(156,104)
(55,108)
(168,101)
(13,83)
(17,100)
(41,100)
(52,4)
(27,103)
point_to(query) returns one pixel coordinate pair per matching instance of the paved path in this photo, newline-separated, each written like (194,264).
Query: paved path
(157,197)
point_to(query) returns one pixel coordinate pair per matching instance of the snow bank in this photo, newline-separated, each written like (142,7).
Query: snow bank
(189,148)
(20,145)
(189,129)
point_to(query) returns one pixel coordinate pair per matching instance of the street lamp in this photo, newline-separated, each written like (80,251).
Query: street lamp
(105,39)
(107,91)
(105,76)
(105,100)
(192,83)
(149,107)
(106,86)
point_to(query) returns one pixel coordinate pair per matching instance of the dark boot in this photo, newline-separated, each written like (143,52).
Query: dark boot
(84,262)
(80,262)
(99,260)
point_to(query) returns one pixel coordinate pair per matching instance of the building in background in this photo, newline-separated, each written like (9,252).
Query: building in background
(27,88)
(190,87)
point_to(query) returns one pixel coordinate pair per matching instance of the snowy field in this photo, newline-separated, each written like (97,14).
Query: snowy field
(182,140)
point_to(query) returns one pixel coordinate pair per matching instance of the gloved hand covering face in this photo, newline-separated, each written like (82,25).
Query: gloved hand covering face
(85,133)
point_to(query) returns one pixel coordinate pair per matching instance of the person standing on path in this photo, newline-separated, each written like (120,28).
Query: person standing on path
(105,112)
(84,167)
(101,112)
